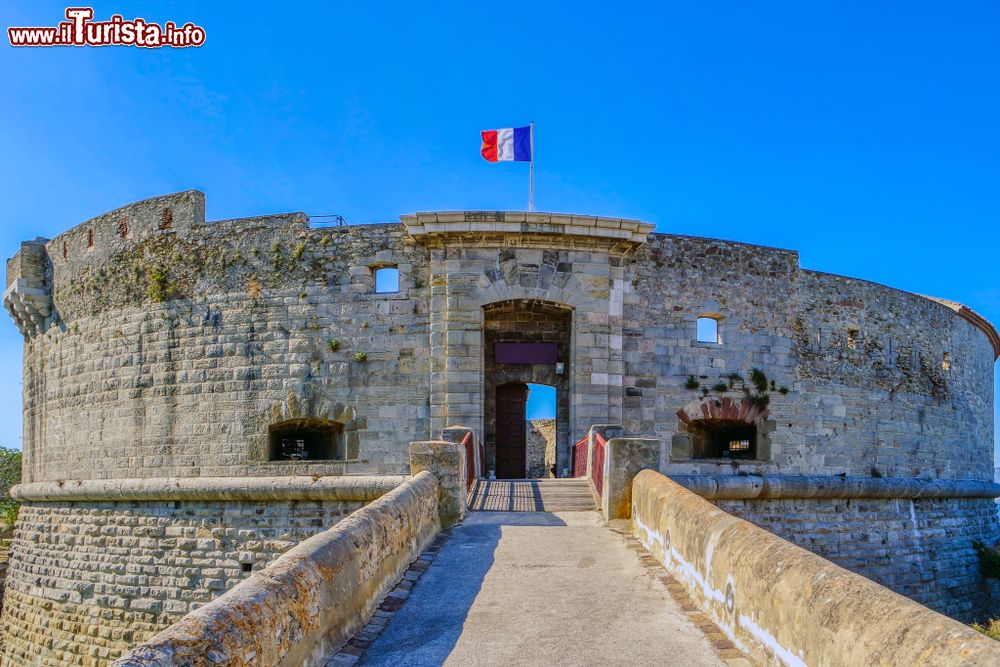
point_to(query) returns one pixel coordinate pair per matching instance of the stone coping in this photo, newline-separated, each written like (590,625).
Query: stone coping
(784,605)
(311,599)
(749,487)
(420,225)
(293,487)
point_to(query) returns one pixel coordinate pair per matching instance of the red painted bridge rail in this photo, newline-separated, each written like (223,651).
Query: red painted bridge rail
(582,451)
(469,443)
(580,457)
(597,472)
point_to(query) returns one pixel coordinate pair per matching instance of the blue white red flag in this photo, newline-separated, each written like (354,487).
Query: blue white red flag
(508,144)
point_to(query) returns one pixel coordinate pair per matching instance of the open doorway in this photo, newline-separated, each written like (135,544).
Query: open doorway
(525,342)
(541,431)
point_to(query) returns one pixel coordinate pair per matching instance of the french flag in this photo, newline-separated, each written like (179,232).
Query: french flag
(508,144)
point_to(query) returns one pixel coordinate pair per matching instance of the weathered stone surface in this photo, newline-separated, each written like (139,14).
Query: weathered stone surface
(623,459)
(310,600)
(446,461)
(781,603)
(730,487)
(541,448)
(315,487)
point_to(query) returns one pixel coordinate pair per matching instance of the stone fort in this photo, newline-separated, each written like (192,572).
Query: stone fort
(200,397)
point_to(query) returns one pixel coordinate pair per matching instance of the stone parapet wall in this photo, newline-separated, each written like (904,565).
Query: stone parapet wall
(913,536)
(920,548)
(784,605)
(90,578)
(310,600)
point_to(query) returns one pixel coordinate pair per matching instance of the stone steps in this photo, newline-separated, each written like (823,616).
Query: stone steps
(532,495)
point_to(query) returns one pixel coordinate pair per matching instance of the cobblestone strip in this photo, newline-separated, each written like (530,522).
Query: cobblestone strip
(720,642)
(354,649)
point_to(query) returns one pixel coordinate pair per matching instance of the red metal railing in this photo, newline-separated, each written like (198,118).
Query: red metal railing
(468,442)
(580,458)
(597,474)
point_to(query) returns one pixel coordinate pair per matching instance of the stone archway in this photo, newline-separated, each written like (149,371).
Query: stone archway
(533,339)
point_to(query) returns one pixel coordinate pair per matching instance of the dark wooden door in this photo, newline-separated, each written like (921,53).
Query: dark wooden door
(511,447)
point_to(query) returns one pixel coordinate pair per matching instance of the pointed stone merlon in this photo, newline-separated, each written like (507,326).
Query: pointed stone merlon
(446,461)
(623,459)
(28,297)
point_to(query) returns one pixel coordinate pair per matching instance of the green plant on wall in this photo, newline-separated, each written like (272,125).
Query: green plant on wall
(158,288)
(991,629)
(360,357)
(333,344)
(989,560)
(10,475)
(692,383)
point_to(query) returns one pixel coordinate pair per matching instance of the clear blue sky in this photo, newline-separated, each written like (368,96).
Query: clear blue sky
(862,134)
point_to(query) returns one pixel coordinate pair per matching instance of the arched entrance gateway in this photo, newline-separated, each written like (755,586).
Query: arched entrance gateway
(543,291)
(525,341)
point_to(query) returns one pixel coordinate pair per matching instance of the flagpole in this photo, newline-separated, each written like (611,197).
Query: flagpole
(531,169)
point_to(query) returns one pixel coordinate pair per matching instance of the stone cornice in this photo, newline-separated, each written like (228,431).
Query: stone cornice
(750,487)
(433,225)
(297,487)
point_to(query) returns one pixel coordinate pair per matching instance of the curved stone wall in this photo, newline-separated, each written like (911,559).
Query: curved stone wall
(159,345)
(873,402)
(169,350)
(173,350)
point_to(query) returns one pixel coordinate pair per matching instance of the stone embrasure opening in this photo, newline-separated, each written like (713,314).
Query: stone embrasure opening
(719,439)
(305,440)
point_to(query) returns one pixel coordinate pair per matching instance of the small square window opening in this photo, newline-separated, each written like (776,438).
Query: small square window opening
(708,330)
(386,280)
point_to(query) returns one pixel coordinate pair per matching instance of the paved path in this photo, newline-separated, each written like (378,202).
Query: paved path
(537,588)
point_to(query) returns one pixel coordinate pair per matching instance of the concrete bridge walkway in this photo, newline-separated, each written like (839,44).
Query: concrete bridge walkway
(538,588)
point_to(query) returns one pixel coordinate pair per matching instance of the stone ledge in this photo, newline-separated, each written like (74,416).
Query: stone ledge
(304,487)
(738,487)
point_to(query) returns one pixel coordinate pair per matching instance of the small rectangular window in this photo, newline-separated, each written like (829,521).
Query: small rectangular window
(708,330)
(852,339)
(946,361)
(386,280)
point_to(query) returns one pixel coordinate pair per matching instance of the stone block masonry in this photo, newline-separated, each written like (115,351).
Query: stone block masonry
(89,579)
(159,345)
(310,601)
